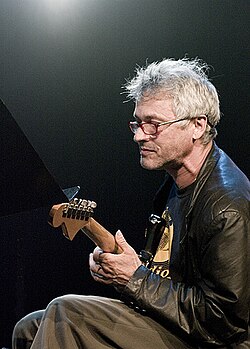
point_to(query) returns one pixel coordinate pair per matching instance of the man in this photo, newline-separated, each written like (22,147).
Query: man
(196,294)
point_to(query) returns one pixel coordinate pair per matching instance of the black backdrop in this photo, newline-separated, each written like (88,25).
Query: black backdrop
(61,76)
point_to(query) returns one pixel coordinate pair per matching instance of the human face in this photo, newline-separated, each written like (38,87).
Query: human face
(172,144)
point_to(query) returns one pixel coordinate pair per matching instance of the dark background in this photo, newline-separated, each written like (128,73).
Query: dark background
(62,65)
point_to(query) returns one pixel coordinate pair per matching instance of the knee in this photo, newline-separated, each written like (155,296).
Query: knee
(26,329)
(59,306)
(62,301)
(30,321)
(68,304)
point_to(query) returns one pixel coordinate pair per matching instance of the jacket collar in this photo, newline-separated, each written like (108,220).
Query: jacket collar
(205,171)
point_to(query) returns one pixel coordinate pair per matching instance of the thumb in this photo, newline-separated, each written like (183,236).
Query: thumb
(121,242)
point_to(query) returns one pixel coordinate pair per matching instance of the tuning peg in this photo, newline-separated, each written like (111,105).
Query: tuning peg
(93,204)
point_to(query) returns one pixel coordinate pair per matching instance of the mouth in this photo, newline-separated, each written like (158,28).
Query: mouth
(146,151)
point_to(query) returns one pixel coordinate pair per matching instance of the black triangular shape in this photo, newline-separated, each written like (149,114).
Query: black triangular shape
(25,182)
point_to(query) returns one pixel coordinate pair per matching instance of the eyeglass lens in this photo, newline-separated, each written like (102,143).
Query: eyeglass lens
(147,128)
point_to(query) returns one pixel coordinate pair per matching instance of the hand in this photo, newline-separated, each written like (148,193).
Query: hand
(115,269)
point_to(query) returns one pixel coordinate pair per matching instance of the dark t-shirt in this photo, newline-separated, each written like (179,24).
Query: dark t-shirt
(174,214)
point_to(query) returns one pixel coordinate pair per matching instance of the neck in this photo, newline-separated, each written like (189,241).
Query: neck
(190,168)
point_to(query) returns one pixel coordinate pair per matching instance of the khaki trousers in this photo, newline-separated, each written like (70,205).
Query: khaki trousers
(74,321)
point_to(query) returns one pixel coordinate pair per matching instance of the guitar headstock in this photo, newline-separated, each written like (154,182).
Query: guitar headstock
(72,216)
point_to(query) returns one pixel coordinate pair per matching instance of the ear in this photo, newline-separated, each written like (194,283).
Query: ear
(200,124)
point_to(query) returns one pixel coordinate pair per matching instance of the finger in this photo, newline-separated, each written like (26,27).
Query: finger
(97,254)
(91,260)
(93,266)
(101,279)
(96,276)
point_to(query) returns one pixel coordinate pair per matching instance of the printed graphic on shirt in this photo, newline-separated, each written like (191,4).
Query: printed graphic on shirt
(160,264)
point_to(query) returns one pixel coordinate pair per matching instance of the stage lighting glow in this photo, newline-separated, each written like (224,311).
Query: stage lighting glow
(59,5)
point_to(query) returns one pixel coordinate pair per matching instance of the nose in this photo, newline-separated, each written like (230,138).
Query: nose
(140,136)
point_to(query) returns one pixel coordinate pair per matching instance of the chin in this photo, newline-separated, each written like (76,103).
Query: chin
(150,166)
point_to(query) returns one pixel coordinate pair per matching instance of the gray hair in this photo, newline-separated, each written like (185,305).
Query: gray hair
(184,80)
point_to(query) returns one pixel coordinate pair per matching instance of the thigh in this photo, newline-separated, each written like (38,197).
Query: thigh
(112,324)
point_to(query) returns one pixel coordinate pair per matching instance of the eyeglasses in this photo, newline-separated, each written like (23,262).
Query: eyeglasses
(151,128)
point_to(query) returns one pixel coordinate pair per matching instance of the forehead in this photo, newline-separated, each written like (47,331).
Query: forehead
(154,105)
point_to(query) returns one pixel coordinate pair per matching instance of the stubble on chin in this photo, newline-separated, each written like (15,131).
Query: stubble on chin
(168,166)
(144,164)
(150,165)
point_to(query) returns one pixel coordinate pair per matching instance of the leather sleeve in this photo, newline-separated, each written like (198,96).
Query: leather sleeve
(215,309)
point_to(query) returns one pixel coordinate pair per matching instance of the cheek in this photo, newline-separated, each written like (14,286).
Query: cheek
(175,145)
(169,143)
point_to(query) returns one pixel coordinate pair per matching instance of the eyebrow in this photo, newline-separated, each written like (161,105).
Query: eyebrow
(147,118)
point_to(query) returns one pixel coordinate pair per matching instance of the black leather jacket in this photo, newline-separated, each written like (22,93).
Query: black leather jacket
(207,300)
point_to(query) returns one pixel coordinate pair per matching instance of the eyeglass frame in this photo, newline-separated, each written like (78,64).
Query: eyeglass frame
(158,124)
